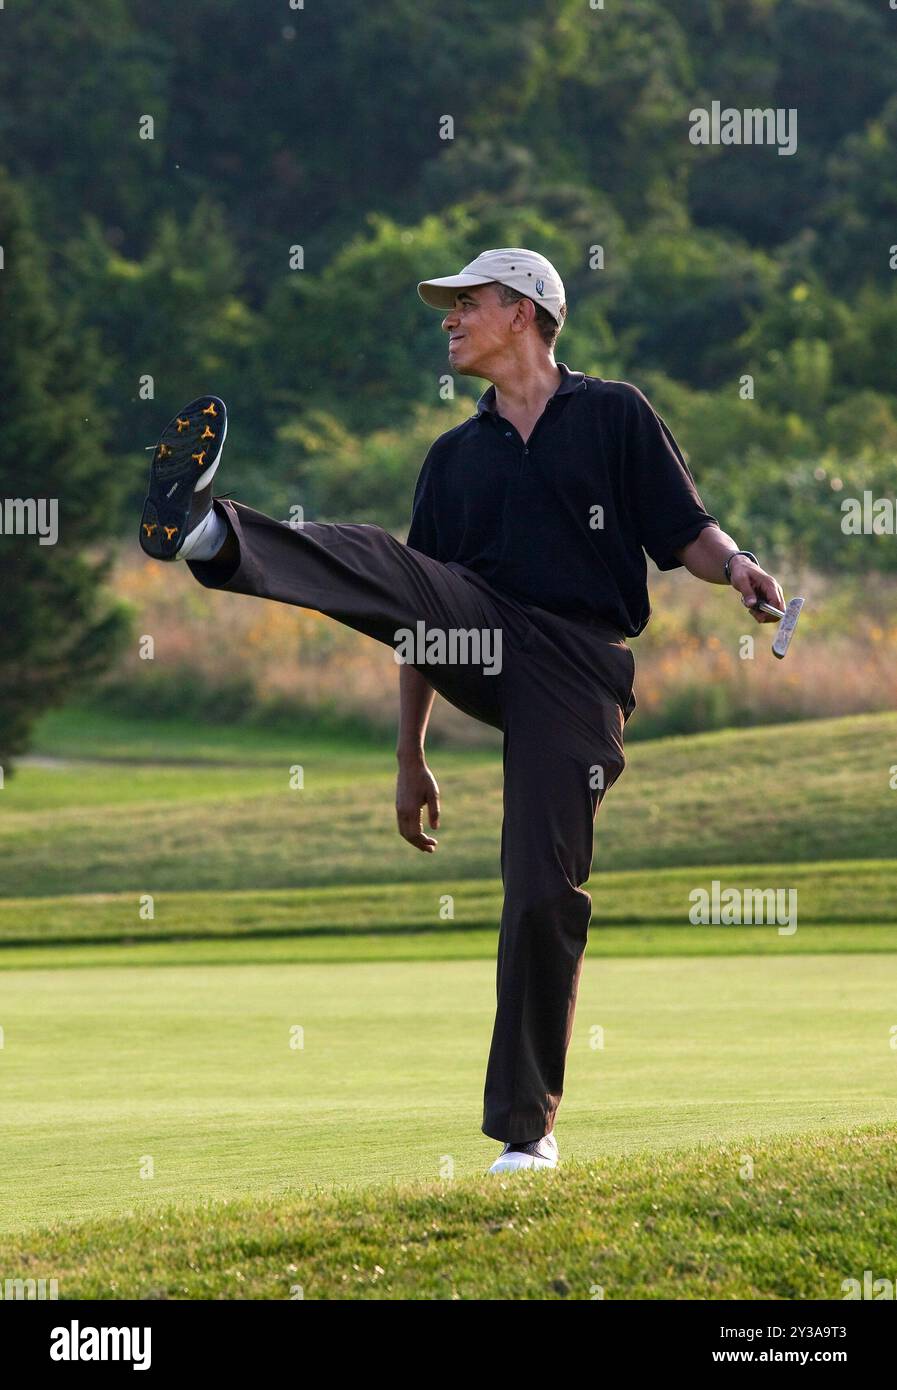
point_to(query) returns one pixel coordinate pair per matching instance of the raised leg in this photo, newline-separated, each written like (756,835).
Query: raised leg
(363,577)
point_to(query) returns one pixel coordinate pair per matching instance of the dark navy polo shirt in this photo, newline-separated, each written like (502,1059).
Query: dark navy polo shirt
(562,522)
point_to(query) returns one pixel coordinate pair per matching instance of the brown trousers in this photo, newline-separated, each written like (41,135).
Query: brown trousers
(561,699)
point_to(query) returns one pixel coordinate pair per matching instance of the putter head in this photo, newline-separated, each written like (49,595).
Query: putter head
(787,626)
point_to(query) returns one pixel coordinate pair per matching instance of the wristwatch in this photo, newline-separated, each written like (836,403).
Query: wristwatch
(750,555)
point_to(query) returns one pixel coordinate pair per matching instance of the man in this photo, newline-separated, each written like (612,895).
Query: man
(530,524)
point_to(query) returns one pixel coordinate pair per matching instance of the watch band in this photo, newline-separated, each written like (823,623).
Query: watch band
(750,555)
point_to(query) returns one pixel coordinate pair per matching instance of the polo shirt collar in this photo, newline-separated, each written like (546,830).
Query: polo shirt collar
(570,381)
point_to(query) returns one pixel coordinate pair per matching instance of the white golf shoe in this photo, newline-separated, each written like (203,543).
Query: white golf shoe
(539,1153)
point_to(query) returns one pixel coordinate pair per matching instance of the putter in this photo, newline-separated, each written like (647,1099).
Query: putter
(786,626)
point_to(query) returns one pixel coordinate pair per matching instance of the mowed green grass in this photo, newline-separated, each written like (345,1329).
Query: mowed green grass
(783,1218)
(795,793)
(847,905)
(192,1067)
(136,1045)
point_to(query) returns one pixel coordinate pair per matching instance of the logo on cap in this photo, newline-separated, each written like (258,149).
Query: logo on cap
(540,287)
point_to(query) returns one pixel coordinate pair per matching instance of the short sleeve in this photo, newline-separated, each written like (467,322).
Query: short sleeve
(661,493)
(422,533)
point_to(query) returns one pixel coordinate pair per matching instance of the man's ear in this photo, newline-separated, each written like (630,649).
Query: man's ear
(524,315)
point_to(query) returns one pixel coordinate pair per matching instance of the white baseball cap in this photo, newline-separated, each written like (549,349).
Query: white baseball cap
(522,270)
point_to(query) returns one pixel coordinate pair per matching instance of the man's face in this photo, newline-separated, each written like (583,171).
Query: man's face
(479,329)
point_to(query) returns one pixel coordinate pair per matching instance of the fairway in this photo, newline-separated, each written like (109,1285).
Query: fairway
(193,1069)
(147,1064)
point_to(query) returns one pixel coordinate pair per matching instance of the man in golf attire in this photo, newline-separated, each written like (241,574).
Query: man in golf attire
(530,521)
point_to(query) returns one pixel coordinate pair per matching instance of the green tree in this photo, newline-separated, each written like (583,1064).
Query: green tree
(59,629)
(75,81)
(339,476)
(176,316)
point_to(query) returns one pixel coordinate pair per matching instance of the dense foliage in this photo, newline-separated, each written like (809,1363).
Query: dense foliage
(750,293)
(56,492)
(320,126)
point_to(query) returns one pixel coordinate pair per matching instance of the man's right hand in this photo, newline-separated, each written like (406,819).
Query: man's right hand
(416,787)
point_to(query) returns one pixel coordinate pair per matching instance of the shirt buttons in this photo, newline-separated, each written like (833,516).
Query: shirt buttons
(508,434)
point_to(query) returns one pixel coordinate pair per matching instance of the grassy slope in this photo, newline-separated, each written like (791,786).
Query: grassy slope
(675,1225)
(783,795)
(839,898)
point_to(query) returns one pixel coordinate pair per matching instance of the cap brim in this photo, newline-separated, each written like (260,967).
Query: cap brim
(440,294)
